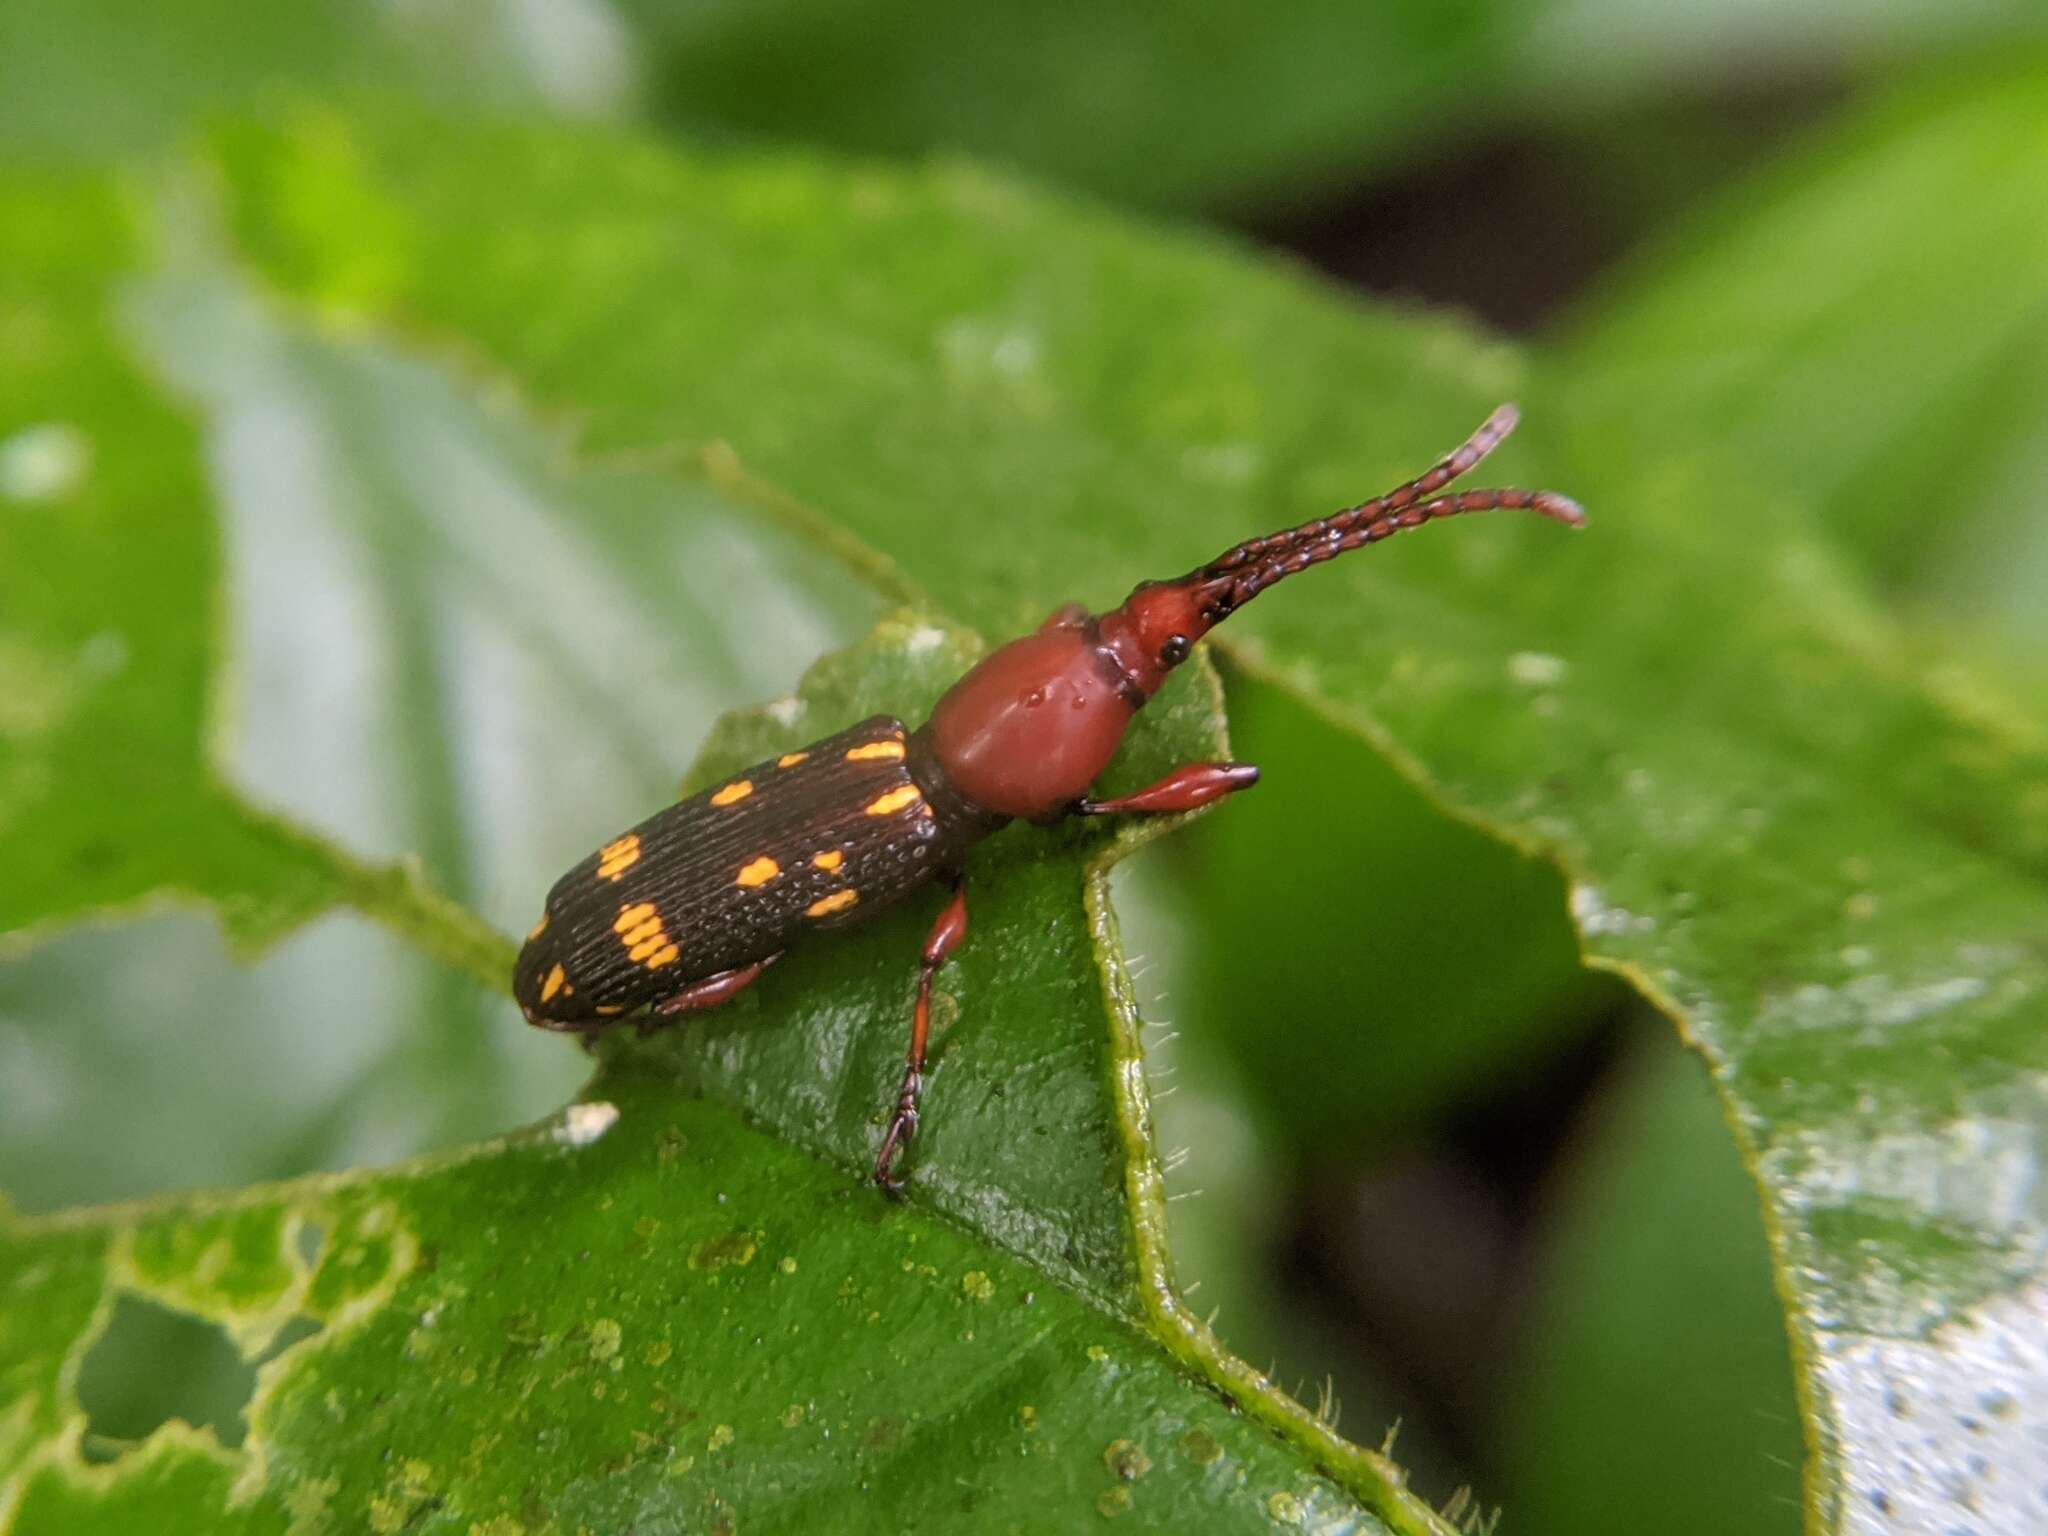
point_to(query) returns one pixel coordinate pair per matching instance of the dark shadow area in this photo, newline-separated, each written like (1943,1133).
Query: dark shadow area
(1510,229)
(1422,1262)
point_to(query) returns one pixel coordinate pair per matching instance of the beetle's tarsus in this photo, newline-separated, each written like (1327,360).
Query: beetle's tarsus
(947,935)
(902,1130)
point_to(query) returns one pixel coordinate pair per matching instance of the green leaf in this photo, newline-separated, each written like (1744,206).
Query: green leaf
(708,1328)
(452,543)
(1159,105)
(1831,877)
(113,662)
(1178,104)
(1654,1378)
(1458,1003)
(105,79)
(109,670)
(707,1320)
(1857,338)
(349,488)
(129,1049)
(1169,104)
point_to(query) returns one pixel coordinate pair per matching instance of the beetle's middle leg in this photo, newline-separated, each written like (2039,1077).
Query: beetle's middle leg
(946,936)
(709,992)
(1185,789)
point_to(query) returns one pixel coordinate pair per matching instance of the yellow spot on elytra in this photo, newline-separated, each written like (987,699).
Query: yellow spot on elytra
(611,1010)
(829,860)
(895,800)
(614,859)
(759,871)
(639,929)
(790,759)
(537,929)
(875,751)
(838,901)
(552,985)
(734,792)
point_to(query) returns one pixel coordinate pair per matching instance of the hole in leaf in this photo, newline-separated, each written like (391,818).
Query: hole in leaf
(295,1330)
(310,1238)
(153,1365)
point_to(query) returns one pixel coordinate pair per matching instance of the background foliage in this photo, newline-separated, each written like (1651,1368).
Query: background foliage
(419,425)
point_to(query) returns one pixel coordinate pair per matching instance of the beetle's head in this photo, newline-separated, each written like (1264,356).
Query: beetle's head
(1156,628)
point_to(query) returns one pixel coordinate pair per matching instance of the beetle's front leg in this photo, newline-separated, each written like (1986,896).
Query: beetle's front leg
(1185,789)
(946,936)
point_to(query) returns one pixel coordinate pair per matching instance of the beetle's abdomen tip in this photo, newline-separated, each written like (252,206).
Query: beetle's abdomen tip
(542,987)
(529,1003)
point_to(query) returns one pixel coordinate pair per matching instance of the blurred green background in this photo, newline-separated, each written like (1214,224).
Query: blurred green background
(1450,1179)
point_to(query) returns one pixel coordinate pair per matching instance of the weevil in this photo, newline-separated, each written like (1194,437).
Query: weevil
(692,905)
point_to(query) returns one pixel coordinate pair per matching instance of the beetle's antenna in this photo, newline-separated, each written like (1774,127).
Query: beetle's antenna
(1491,432)
(1240,574)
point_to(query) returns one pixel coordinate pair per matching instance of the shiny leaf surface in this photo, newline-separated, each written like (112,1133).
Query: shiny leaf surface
(439,640)
(1692,726)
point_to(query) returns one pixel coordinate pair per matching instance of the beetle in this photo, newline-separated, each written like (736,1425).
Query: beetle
(690,907)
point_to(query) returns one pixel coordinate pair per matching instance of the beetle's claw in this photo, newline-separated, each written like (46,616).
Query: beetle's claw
(894,1143)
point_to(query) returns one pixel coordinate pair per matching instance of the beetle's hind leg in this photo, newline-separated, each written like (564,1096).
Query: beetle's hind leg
(1187,788)
(708,993)
(946,936)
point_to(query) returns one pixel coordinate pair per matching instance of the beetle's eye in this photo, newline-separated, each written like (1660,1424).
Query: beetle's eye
(1175,650)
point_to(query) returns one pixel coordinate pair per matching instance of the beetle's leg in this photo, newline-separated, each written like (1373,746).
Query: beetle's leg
(709,992)
(946,936)
(1184,789)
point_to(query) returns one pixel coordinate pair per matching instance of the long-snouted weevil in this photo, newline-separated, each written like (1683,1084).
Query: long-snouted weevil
(689,907)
